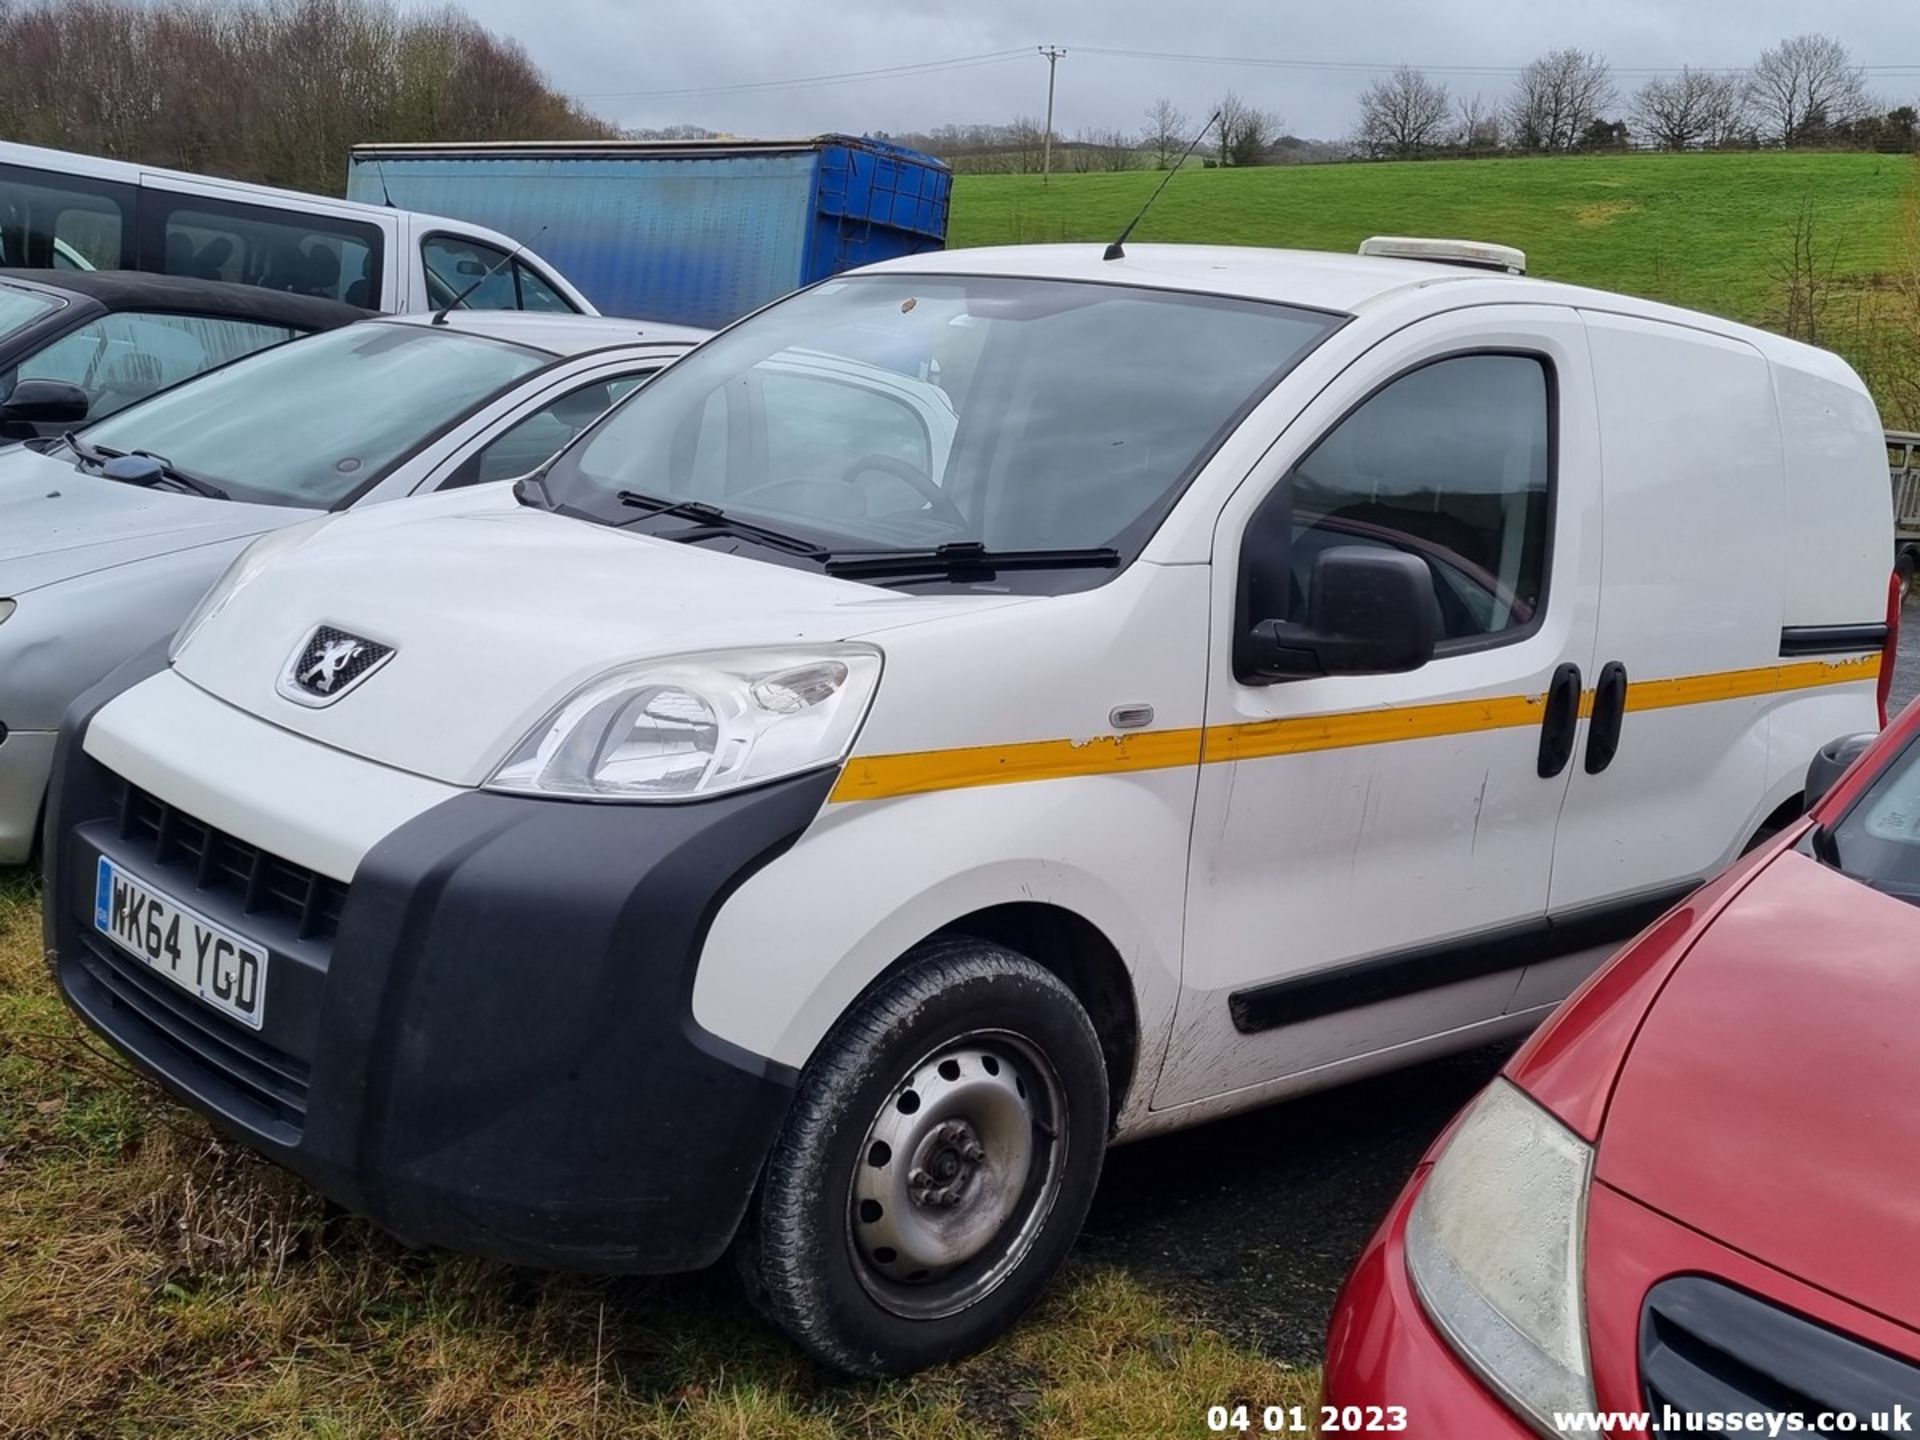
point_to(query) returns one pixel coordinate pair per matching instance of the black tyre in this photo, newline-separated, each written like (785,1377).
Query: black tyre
(940,1156)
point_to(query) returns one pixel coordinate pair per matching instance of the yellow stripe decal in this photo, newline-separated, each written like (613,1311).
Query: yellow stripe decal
(878,777)
(874,777)
(1739,684)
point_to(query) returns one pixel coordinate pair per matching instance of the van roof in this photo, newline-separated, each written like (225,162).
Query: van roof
(68,162)
(1326,280)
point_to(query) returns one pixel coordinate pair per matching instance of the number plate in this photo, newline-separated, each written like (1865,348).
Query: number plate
(228,973)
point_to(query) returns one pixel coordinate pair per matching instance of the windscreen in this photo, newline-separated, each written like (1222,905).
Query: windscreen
(313,422)
(1878,839)
(912,411)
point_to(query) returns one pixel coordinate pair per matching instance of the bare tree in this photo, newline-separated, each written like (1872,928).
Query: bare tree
(1693,108)
(1246,131)
(1804,267)
(1403,114)
(1803,85)
(1476,125)
(1166,134)
(1097,150)
(1556,98)
(272,91)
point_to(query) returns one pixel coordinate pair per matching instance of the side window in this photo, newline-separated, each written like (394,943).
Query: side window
(118,359)
(532,441)
(537,294)
(455,267)
(48,222)
(1451,462)
(274,249)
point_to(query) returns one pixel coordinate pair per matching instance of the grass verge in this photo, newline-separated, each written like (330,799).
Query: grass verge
(156,1280)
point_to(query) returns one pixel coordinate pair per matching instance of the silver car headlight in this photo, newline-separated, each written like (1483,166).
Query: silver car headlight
(239,574)
(1495,1246)
(688,726)
(7,607)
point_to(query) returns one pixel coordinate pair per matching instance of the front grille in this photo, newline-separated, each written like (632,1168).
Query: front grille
(264,883)
(251,1080)
(1705,1346)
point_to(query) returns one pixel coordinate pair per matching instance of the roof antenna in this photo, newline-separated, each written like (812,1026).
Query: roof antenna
(385,194)
(440,316)
(1118,249)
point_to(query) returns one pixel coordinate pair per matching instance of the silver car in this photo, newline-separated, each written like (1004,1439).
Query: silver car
(109,536)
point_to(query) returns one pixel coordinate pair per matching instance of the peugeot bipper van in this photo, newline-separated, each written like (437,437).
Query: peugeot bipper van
(974,710)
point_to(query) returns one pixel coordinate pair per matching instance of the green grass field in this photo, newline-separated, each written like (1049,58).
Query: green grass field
(1706,231)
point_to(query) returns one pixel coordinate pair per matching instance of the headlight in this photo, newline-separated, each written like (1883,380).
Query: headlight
(1495,1246)
(245,567)
(689,726)
(7,607)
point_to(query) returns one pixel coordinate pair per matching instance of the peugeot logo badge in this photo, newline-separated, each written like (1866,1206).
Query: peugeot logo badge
(329,663)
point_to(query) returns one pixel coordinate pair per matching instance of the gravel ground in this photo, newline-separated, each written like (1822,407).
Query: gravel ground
(1252,1224)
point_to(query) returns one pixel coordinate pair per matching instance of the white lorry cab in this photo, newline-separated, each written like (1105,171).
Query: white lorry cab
(813,819)
(66,211)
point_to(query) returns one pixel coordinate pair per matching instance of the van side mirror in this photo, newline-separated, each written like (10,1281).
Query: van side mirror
(1369,612)
(44,402)
(1831,761)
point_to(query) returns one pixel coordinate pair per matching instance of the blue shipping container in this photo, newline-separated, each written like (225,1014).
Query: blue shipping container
(696,232)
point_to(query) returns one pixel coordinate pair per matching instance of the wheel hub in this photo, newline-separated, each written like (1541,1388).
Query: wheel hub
(944,1172)
(948,1160)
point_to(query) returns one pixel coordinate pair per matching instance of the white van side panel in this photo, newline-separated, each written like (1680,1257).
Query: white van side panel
(1109,843)
(1839,507)
(1839,523)
(1699,545)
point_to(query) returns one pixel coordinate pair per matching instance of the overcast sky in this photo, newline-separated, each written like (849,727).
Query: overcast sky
(619,55)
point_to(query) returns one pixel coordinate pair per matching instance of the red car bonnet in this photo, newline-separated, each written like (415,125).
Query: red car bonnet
(1770,1099)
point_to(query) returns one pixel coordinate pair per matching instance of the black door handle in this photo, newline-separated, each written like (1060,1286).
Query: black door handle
(1557,726)
(1609,709)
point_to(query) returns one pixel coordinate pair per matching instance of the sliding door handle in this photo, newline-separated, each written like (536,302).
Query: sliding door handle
(1558,724)
(1609,709)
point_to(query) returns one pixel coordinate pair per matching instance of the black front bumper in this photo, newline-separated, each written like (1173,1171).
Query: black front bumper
(495,1050)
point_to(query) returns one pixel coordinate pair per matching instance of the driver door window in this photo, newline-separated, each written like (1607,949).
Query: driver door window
(1448,463)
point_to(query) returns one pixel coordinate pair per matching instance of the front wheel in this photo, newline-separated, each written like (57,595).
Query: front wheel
(942,1150)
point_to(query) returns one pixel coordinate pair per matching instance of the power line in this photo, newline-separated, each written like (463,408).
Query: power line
(888,72)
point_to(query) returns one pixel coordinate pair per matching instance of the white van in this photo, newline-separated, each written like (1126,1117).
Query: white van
(777,826)
(65,211)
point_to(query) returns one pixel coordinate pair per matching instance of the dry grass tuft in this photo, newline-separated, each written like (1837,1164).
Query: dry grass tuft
(157,1280)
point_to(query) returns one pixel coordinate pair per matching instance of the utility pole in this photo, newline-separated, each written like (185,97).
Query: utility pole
(1053,54)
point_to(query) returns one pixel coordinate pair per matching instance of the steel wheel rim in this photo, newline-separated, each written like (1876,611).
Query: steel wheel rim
(957,1174)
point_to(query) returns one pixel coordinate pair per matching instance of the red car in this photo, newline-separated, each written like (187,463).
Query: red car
(1693,1198)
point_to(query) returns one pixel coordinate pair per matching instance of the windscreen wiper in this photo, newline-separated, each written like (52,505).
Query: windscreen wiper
(186,478)
(711,520)
(157,468)
(959,559)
